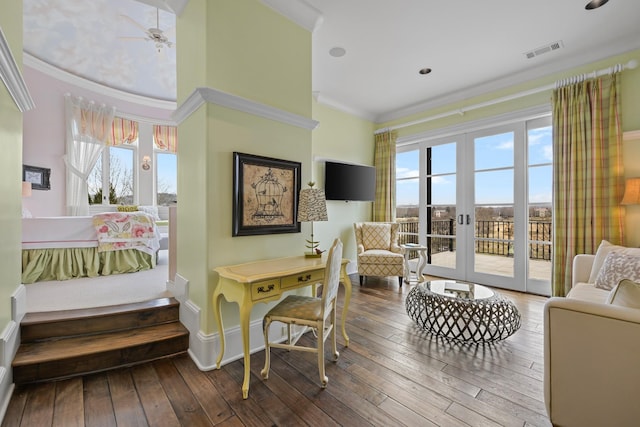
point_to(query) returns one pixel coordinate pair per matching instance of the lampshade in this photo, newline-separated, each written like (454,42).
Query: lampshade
(312,206)
(631,192)
(26,189)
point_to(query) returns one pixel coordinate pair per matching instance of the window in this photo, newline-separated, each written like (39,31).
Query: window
(166,178)
(112,179)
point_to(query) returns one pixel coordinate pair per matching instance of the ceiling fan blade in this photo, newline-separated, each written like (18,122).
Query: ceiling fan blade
(134,38)
(134,22)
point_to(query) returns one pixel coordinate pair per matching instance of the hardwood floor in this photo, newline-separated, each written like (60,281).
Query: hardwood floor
(391,374)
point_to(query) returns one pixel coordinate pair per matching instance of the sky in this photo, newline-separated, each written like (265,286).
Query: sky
(493,160)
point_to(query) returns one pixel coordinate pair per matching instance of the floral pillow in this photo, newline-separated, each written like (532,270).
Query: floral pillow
(618,266)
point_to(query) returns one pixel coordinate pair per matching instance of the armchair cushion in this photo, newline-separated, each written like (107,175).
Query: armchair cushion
(376,236)
(625,294)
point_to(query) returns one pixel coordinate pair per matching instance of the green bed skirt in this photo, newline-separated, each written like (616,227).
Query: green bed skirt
(61,264)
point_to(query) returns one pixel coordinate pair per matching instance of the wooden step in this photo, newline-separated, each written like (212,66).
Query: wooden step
(69,343)
(57,359)
(65,323)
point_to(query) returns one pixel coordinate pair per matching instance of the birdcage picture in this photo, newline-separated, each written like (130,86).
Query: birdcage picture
(265,195)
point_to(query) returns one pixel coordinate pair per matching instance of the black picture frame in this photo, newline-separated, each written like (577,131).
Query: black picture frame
(265,195)
(37,176)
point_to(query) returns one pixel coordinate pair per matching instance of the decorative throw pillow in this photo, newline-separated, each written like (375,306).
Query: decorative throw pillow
(151,210)
(376,236)
(618,266)
(603,250)
(625,294)
(127,208)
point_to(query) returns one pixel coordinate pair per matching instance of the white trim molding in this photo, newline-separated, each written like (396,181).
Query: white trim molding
(12,77)
(59,74)
(298,11)
(213,96)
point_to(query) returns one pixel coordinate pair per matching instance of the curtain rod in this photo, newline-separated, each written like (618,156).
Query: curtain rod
(460,111)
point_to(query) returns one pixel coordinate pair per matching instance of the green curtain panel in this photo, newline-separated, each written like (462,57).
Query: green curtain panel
(384,205)
(588,174)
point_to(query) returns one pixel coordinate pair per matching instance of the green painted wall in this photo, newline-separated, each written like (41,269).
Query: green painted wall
(342,137)
(10,170)
(252,52)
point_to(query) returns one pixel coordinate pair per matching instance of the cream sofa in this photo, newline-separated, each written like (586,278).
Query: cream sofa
(591,355)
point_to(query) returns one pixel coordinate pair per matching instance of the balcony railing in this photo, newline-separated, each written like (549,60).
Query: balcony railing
(494,237)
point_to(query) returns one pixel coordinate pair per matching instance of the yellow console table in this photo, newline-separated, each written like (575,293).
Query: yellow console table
(265,281)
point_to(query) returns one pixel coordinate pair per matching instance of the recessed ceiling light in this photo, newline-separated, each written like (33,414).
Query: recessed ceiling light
(337,52)
(425,71)
(594,4)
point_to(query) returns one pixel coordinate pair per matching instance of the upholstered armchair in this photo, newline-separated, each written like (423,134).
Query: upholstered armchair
(378,251)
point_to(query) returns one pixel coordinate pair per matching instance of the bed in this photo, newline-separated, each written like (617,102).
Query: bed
(61,248)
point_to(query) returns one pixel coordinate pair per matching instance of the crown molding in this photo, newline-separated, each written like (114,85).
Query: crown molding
(324,100)
(213,96)
(12,77)
(504,82)
(298,11)
(55,72)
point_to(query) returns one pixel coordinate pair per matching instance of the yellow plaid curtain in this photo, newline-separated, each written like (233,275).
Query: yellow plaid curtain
(384,205)
(123,131)
(587,172)
(165,138)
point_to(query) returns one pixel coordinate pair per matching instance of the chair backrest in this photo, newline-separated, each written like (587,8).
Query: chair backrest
(377,235)
(331,275)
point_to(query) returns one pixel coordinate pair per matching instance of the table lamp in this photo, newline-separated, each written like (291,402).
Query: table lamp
(312,207)
(631,192)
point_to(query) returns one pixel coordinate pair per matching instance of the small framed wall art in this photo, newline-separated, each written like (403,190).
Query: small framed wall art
(38,177)
(265,195)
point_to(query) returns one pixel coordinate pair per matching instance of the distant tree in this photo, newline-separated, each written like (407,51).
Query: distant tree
(120,182)
(97,197)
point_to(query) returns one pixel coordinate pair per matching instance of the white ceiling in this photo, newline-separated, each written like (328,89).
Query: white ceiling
(472,47)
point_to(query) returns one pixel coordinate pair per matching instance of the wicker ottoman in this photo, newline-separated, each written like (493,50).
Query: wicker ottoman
(462,311)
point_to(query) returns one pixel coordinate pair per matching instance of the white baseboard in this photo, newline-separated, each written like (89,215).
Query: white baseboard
(19,303)
(6,391)
(9,341)
(204,348)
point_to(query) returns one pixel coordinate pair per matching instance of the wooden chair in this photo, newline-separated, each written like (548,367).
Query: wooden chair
(378,251)
(313,312)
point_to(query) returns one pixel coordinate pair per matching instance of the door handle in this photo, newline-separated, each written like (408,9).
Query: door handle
(460,219)
(468,219)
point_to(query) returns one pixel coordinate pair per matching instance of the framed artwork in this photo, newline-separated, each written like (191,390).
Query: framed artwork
(265,195)
(38,177)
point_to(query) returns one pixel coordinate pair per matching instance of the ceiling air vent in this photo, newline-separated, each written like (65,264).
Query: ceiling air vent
(544,49)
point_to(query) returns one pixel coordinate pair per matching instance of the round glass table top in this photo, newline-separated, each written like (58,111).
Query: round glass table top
(453,289)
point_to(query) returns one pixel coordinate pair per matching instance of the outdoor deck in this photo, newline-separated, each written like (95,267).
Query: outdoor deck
(495,264)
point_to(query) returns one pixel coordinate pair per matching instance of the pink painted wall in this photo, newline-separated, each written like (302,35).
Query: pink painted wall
(44,134)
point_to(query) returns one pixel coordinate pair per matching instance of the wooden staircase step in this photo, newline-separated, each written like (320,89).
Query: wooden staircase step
(52,325)
(78,355)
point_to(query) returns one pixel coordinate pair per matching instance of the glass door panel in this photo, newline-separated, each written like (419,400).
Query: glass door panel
(494,204)
(408,195)
(540,208)
(441,206)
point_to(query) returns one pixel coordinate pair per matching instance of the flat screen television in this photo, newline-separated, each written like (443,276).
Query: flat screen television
(343,181)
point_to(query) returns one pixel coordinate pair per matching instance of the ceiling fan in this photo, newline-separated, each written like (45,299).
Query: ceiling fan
(155,35)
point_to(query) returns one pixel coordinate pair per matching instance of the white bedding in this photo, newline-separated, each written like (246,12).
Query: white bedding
(58,232)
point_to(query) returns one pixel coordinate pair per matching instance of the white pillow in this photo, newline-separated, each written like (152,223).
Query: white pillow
(618,266)
(625,294)
(151,210)
(603,250)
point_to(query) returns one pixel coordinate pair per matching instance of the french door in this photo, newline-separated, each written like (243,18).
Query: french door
(484,204)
